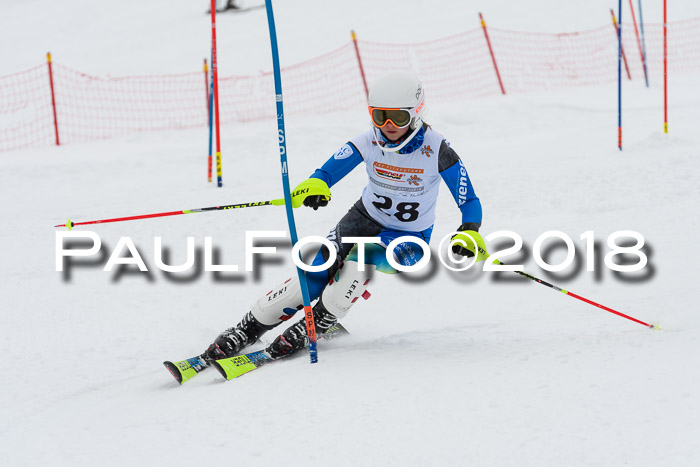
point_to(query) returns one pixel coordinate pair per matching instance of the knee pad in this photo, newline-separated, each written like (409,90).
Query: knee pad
(347,286)
(279,304)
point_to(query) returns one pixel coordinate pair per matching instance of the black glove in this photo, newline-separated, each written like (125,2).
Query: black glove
(316,201)
(459,249)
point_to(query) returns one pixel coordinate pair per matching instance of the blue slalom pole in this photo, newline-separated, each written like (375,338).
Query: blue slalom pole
(308,312)
(211,121)
(619,76)
(644,48)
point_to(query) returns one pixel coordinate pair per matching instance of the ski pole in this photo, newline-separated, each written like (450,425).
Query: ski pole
(274,202)
(571,294)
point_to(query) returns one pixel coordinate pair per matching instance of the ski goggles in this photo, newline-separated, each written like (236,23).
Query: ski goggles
(401,118)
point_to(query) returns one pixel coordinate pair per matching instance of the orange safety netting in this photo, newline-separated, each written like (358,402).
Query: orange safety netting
(90,108)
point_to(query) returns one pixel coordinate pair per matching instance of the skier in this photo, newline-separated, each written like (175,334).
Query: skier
(223,5)
(405,160)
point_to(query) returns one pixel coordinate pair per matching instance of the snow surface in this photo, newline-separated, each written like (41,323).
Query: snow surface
(441,368)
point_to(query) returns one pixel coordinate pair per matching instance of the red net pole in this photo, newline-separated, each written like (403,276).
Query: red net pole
(359,62)
(639,43)
(665,75)
(53,97)
(206,82)
(620,51)
(493,57)
(617,32)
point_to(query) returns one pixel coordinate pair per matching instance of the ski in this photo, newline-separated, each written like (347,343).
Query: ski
(185,370)
(239,365)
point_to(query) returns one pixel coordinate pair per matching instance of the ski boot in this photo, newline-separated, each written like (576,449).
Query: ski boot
(233,340)
(295,338)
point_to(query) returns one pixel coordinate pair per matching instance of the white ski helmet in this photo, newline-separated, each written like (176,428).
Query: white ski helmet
(397,97)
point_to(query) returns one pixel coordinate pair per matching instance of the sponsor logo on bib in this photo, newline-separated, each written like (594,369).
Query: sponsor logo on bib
(397,174)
